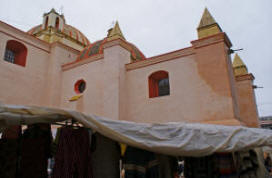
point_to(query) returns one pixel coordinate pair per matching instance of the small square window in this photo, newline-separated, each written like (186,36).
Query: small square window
(163,87)
(9,56)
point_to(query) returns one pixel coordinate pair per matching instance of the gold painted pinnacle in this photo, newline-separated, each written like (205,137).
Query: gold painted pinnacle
(115,32)
(207,19)
(239,66)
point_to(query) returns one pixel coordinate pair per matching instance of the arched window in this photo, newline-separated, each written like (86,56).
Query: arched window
(158,84)
(15,53)
(57,23)
(46,23)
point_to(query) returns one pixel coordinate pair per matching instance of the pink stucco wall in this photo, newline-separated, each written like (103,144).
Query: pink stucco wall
(18,84)
(59,55)
(202,85)
(247,101)
(91,100)
(190,99)
(37,83)
(104,90)
(201,88)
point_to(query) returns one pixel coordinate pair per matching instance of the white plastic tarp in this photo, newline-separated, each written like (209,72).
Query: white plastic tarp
(180,139)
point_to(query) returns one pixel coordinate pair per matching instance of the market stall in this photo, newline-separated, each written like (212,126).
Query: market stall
(172,139)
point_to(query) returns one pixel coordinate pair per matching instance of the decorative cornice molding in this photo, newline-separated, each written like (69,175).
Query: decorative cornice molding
(160,58)
(244,77)
(60,44)
(117,42)
(81,62)
(213,39)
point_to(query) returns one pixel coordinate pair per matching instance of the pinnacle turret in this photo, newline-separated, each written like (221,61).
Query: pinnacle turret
(239,66)
(207,26)
(115,32)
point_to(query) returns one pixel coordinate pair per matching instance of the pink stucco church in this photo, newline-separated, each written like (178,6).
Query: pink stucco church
(55,65)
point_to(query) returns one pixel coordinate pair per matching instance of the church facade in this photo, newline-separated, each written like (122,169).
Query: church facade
(55,65)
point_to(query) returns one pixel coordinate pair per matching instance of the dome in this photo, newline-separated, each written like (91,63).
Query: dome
(55,29)
(97,48)
(113,34)
(68,31)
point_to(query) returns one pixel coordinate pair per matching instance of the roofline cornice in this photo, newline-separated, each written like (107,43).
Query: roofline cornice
(160,58)
(64,46)
(245,77)
(124,44)
(220,37)
(81,62)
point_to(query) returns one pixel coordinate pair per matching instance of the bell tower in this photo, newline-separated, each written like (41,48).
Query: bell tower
(53,20)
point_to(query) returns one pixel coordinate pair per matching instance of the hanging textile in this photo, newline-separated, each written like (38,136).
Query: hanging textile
(202,167)
(105,157)
(35,151)
(168,166)
(9,147)
(140,164)
(225,165)
(13,132)
(251,164)
(73,156)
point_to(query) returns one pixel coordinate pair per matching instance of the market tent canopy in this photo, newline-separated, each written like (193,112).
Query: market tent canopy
(180,139)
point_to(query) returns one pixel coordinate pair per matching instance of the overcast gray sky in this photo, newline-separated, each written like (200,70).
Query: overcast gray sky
(159,26)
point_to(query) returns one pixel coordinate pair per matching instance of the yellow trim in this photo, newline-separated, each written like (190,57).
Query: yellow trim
(75,98)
